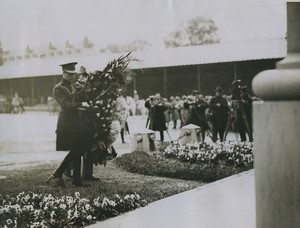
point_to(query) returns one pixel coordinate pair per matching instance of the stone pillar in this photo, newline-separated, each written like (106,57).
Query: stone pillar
(190,134)
(144,140)
(277,148)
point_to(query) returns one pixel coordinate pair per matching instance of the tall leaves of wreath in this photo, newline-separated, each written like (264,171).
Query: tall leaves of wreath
(100,125)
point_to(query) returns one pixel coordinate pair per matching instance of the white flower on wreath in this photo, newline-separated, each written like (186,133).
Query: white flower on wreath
(9,221)
(77,194)
(115,129)
(87,206)
(63,206)
(137,196)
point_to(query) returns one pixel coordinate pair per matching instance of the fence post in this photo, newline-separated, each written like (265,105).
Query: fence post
(277,148)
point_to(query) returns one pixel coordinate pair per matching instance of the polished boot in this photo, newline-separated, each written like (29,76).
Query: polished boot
(87,172)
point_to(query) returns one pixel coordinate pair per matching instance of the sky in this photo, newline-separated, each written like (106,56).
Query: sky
(38,22)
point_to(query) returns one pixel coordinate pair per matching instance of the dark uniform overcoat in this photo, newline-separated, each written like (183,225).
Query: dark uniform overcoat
(196,114)
(219,115)
(157,116)
(68,132)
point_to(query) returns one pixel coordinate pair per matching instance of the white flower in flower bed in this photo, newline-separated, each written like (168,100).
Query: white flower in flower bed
(38,210)
(231,152)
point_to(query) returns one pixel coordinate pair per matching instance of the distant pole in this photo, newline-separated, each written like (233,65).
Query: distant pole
(198,78)
(234,71)
(165,82)
(10,88)
(54,81)
(134,82)
(32,90)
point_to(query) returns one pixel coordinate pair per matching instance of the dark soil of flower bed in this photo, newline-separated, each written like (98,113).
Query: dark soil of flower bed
(157,165)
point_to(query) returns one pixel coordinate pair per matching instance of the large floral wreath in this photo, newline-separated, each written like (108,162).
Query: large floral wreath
(100,123)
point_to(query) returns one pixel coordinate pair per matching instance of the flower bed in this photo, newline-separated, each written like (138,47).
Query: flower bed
(234,153)
(36,210)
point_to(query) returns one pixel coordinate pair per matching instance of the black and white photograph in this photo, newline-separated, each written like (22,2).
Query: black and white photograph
(149,114)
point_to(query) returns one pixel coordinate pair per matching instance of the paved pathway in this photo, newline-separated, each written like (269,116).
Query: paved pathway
(228,203)
(29,139)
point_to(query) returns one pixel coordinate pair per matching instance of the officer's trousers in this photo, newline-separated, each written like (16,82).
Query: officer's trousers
(75,157)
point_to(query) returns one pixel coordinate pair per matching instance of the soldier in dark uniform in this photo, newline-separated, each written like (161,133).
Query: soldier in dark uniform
(219,114)
(241,107)
(68,132)
(87,167)
(157,118)
(247,101)
(197,113)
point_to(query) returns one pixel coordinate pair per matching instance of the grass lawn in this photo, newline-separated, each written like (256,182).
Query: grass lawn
(113,180)
(153,177)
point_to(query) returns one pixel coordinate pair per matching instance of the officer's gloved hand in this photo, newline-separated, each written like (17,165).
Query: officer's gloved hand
(85,104)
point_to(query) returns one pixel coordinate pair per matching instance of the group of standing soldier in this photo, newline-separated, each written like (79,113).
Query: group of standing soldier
(213,114)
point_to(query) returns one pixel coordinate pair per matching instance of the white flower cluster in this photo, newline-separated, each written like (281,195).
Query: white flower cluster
(231,152)
(119,205)
(115,129)
(41,211)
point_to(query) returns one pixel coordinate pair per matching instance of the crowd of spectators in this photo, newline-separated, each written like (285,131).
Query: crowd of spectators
(15,105)
(214,114)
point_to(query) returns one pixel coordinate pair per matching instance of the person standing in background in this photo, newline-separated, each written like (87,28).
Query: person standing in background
(136,99)
(219,113)
(197,114)
(183,110)
(247,101)
(157,118)
(123,109)
(16,104)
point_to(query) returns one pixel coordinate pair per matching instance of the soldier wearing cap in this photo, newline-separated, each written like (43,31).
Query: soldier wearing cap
(87,167)
(157,119)
(219,108)
(247,101)
(68,132)
(197,113)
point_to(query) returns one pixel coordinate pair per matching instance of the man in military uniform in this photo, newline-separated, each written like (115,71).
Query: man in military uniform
(87,168)
(247,107)
(68,126)
(157,119)
(196,115)
(219,110)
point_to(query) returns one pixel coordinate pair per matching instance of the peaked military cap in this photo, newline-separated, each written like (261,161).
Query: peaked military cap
(69,67)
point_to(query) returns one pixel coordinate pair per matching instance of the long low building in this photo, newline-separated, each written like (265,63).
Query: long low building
(175,71)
